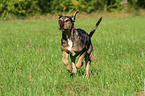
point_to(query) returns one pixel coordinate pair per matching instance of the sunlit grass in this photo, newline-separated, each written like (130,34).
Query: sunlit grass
(31,59)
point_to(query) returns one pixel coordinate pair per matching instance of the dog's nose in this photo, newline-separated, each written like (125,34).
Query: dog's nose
(62,24)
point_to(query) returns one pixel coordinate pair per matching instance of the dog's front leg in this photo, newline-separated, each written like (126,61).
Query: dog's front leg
(65,61)
(79,64)
(73,63)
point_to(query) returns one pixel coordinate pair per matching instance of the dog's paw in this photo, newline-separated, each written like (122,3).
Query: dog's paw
(69,69)
(74,70)
(73,54)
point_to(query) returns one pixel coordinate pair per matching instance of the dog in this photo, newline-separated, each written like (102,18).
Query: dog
(75,42)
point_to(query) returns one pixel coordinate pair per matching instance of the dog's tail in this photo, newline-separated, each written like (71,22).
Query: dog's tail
(95,27)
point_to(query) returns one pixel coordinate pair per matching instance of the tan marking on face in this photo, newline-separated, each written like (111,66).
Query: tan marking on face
(67,23)
(60,20)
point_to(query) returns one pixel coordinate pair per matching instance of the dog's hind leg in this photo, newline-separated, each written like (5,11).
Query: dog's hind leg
(65,61)
(88,62)
(87,68)
(79,64)
(88,59)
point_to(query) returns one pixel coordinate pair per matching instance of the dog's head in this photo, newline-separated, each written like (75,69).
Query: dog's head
(66,22)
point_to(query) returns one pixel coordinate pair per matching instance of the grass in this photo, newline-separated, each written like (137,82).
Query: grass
(31,59)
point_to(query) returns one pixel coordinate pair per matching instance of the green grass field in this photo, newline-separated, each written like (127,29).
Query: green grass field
(31,59)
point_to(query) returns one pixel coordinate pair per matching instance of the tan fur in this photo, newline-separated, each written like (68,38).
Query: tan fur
(87,68)
(79,64)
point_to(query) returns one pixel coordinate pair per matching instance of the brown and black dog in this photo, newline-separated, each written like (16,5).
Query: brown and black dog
(75,42)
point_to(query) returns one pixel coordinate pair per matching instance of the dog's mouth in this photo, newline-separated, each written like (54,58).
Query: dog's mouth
(62,28)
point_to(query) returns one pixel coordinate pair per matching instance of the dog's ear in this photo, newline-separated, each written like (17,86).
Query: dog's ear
(60,15)
(73,17)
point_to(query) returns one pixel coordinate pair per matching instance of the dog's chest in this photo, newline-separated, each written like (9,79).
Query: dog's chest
(69,42)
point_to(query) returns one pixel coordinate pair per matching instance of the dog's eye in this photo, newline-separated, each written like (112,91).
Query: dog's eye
(60,21)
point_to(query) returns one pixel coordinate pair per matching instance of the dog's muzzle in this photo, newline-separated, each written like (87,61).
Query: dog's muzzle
(65,26)
(61,26)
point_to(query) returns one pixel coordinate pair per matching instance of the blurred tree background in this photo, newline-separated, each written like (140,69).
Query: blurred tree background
(10,8)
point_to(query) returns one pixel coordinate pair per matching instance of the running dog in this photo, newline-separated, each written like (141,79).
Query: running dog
(75,42)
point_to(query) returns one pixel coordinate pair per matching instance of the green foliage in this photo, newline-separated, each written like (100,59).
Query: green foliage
(137,3)
(141,3)
(109,5)
(83,5)
(9,8)
(18,7)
